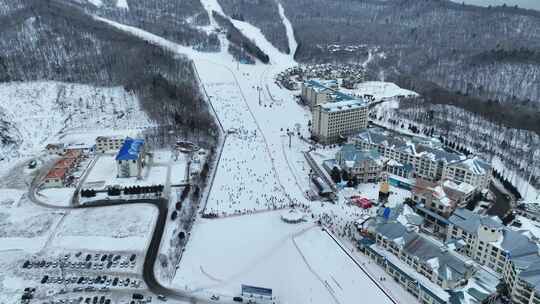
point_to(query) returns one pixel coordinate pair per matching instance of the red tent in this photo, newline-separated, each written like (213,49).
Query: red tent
(362,202)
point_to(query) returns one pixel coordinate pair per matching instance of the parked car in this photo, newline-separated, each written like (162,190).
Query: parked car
(238,299)
(162,297)
(44,279)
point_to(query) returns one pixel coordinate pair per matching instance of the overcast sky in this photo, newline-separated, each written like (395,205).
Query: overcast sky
(534,4)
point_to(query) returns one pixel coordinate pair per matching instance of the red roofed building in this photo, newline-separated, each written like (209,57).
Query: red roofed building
(55,177)
(66,163)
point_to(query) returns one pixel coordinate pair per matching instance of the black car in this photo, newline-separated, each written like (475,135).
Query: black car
(88,257)
(138,296)
(44,280)
(238,299)
(132,257)
(115,282)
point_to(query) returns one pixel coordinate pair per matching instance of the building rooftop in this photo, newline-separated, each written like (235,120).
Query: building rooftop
(353,156)
(470,221)
(131,149)
(56,173)
(518,246)
(418,147)
(343,105)
(474,164)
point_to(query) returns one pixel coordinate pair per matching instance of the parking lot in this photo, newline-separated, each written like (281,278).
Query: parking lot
(85,277)
(86,261)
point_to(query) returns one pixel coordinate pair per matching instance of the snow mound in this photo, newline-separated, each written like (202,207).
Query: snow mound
(292,216)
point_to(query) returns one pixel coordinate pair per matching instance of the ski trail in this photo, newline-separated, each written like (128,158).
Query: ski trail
(293,44)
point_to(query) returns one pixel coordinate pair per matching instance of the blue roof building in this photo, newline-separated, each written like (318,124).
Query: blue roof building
(130,159)
(131,149)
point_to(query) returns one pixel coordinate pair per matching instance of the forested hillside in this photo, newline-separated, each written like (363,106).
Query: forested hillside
(263,14)
(175,20)
(464,49)
(48,40)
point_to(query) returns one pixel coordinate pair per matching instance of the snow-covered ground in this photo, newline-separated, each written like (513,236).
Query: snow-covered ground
(38,113)
(56,196)
(292,259)
(528,192)
(103,174)
(103,229)
(379,90)
(258,171)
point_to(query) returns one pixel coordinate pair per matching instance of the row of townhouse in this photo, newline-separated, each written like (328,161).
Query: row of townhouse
(511,253)
(430,160)
(422,265)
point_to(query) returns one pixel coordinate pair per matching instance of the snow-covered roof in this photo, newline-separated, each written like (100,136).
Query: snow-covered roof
(470,221)
(464,188)
(351,156)
(343,105)
(418,147)
(474,165)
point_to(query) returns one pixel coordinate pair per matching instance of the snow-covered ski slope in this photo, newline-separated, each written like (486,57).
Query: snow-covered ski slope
(253,178)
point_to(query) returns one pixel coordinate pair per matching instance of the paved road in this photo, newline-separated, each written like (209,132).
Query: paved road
(152,252)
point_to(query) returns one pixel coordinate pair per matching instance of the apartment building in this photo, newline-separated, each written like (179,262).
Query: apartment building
(509,252)
(336,120)
(366,165)
(442,197)
(108,143)
(427,156)
(473,171)
(423,266)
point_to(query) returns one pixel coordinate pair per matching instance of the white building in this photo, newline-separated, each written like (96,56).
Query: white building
(473,171)
(335,120)
(108,143)
(430,160)
(509,252)
(131,159)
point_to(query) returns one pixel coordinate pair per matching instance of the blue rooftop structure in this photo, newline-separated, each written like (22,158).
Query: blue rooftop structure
(131,149)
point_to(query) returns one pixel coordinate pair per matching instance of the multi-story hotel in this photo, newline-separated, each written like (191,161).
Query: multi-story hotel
(335,120)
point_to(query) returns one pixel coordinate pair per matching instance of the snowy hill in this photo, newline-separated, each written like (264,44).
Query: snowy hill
(36,113)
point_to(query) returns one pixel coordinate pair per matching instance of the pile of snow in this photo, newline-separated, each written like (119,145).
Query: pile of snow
(292,216)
